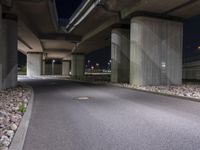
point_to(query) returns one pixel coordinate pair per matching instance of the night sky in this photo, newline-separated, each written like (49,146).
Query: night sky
(191,38)
(66,8)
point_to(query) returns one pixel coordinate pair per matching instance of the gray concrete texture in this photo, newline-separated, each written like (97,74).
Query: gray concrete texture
(156,51)
(34,64)
(120,55)
(78,65)
(66,66)
(43,67)
(112,119)
(57,69)
(8,53)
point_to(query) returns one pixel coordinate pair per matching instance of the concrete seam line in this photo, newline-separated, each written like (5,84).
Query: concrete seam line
(20,135)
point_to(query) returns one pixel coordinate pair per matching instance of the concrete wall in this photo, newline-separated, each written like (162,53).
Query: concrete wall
(34,64)
(156,51)
(120,54)
(57,69)
(66,67)
(191,70)
(8,52)
(78,65)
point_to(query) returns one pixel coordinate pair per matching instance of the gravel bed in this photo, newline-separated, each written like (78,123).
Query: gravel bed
(186,90)
(13,103)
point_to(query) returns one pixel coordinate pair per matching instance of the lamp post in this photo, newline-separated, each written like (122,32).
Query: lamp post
(97,67)
(92,68)
(88,63)
(53,61)
(109,66)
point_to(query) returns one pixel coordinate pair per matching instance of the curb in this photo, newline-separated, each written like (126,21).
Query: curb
(162,94)
(19,138)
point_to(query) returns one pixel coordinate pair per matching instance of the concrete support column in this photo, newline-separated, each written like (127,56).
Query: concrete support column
(65,67)
(120,54)
(156,51)
(8,50)
(43,67)
(34,64)
(77,66)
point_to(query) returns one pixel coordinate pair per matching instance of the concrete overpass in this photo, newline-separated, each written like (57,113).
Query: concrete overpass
(145,37)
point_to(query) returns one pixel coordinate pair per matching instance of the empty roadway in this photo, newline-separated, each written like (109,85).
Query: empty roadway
(112,119)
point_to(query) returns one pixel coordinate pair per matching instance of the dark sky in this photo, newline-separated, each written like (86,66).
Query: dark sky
(101,56)
(65,8)
(191,39)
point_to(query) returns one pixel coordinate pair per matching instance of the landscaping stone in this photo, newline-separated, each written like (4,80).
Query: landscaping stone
(13,127)
(3,148)
(10,116)
(187,90)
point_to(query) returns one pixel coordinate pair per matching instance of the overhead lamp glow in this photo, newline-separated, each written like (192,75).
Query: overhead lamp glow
(199,47)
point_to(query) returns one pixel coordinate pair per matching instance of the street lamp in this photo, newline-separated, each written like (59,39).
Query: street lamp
(97,67)
(92,68)
(88,63)
(109,64)
(53,61)
(97,64)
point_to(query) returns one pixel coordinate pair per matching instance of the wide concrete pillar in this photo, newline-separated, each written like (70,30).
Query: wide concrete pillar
(65,67)
(34,64)
(8,50)
(156,51)
(120,54)
(77,66)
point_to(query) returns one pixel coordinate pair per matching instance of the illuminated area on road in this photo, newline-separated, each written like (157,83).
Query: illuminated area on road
(99,75)
(113,118)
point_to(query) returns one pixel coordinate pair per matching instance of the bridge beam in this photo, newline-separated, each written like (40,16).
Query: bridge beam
(8,50)
(120,54)
(77,66)
(156,51)
(34,64)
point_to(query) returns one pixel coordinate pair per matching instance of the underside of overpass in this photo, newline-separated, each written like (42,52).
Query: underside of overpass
(145,38)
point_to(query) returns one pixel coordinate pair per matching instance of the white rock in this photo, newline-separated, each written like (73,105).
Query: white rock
(20,94)
(3,148)
(13,127)
(4,138)
(15,118)
(5,141)
(25,100)
(10,133)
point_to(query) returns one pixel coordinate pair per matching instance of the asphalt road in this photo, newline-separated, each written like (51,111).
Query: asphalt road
(112,119)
